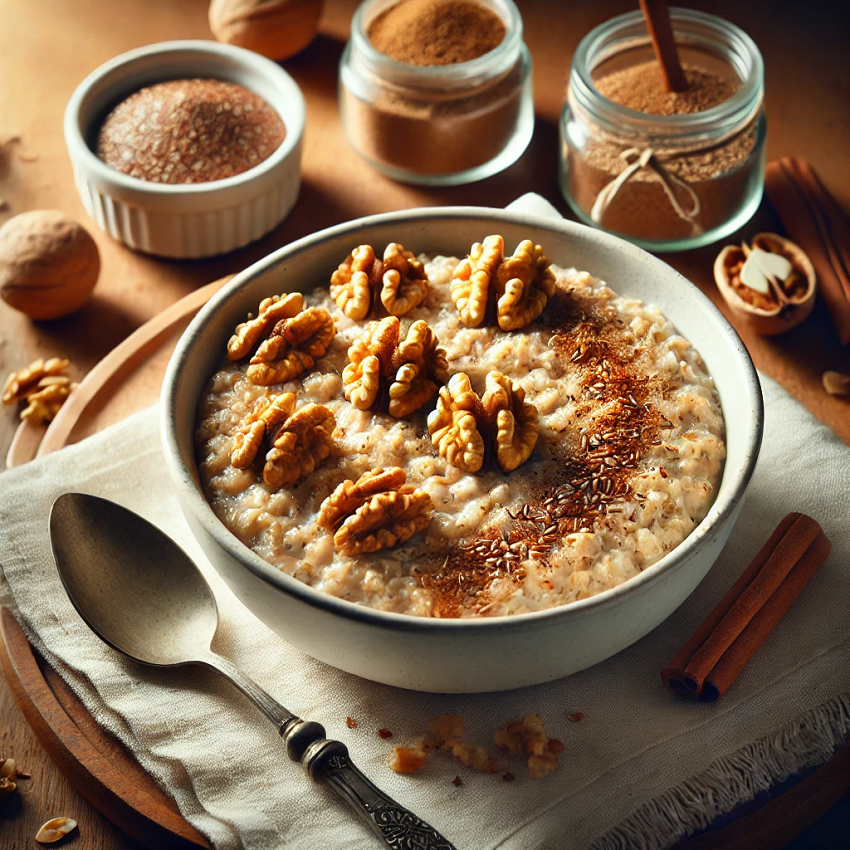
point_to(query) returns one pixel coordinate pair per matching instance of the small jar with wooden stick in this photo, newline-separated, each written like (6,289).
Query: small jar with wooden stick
(663,129)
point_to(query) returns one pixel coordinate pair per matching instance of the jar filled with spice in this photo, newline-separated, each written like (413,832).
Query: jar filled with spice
(437,92)
(666,170)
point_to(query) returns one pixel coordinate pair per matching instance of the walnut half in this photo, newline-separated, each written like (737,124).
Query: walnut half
(398,281)
(378,511)
(519,286)
(296,441)
(464,427)
(400,376)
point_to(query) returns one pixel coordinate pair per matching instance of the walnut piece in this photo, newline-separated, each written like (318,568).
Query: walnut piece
(399,376)
(524,283)
(407,759)
(292,347)
(515,420)
(454,424)
(519,286)
(42,386)
(300,444)
(54,830)
(464,428)
(378,511)
(362,280)
(271,311)
(19,385)
(526,736)
(269,413)
(297,441)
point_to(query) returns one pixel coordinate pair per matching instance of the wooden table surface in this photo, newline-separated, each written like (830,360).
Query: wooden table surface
(48,46)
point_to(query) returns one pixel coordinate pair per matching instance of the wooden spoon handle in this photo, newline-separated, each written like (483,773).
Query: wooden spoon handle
(657,17)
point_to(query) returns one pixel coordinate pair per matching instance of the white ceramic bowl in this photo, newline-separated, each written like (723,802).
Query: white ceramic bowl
(200,219)
(472,654)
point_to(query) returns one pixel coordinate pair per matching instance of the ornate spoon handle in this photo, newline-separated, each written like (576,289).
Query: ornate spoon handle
(328,760)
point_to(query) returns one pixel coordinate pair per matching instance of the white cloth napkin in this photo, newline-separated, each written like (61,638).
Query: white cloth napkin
(640,770)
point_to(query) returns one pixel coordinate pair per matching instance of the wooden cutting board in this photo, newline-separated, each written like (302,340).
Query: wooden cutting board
(126,381)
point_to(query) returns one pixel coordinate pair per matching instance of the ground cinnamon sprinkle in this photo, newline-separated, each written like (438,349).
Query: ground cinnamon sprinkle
(592,477)
(641,88)
(436,32)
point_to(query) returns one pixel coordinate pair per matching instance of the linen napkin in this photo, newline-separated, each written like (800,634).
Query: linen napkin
(641,769)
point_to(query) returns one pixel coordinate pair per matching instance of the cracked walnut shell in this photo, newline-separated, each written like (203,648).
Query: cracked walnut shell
(400,376)
(293,347)
(770,283)
(464,427)
(398,281)
(297,440)
(378,511)
(518,286)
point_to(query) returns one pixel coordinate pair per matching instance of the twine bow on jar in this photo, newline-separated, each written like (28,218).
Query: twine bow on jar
(637,161)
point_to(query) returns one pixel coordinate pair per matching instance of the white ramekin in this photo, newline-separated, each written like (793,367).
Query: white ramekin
(201,219)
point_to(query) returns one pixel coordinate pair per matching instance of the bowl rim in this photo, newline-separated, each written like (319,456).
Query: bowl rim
(294,118)
(192,498)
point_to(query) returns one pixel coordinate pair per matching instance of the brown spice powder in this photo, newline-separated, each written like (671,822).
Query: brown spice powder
(591,476)
(641,88)
(722,178)
(189,131)
(432,131)
(436,32)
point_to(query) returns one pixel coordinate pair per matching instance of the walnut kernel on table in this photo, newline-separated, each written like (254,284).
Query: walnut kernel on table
(42,386)
(49,264)
(378,511)
(402,374)
(398,281)
(518,286)
(296,441)
(464,427)
(526,736)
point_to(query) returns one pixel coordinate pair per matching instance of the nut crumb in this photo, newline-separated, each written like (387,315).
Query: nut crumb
(507,776)
(457,782)
(407,759)
(575,718)
(350,722)
(385,733)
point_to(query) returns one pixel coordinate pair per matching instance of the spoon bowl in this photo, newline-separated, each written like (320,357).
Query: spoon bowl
(139,591)
(143,595)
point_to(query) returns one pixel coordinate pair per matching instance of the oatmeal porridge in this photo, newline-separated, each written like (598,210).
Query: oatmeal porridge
(544,464)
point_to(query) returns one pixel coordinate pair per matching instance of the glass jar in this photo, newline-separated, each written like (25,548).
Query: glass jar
(437,125)
(665,182)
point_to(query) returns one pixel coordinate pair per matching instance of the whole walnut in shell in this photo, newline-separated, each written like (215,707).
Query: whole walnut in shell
(49,264)
(274,28)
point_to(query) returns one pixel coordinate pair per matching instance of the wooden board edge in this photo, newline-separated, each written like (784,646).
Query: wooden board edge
(129,807)
(28,443)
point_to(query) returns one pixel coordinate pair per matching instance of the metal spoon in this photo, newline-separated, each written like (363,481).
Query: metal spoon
(143,595)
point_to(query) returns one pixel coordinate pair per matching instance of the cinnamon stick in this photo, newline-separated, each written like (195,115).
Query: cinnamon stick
(813,219)
(657,17)
(718,651)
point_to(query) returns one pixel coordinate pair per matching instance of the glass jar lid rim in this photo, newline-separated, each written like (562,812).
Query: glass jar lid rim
(740,104)
(480,65)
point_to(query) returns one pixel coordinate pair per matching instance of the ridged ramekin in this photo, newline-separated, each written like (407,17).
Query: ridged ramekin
(200,219)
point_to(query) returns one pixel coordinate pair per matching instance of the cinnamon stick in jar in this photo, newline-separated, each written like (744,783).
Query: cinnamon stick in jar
(721,647)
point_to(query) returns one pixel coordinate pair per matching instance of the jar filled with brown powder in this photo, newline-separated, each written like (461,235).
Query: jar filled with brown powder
(666,170)
(437,92)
